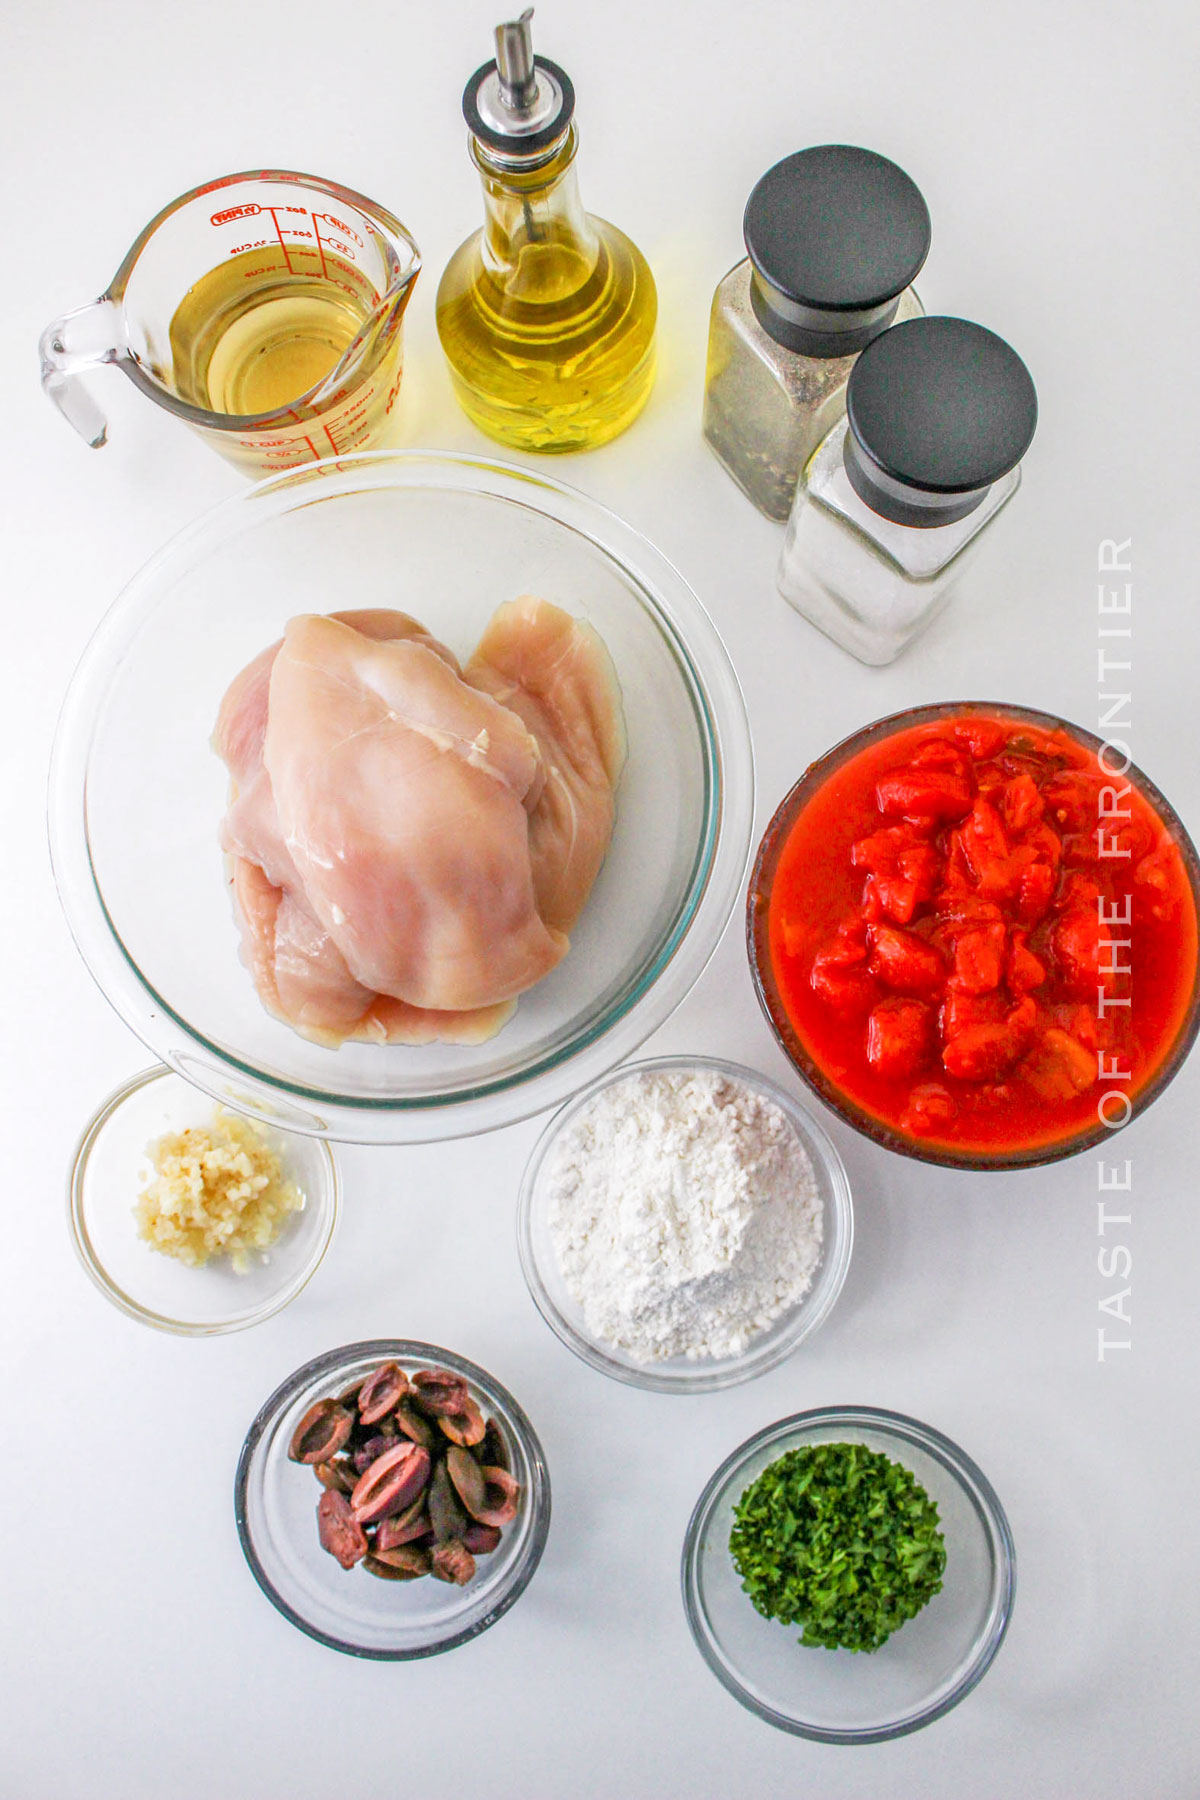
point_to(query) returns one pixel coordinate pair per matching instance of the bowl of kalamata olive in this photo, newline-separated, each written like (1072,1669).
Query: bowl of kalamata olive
(392,1499)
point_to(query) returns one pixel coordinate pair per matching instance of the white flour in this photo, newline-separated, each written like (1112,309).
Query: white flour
(685,1214)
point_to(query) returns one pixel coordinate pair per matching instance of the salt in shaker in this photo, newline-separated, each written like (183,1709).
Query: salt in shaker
(892,504)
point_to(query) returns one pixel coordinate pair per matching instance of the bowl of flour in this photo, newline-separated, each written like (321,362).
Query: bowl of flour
(684,1224)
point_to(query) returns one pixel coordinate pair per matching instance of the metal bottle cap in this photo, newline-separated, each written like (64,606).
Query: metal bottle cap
(521,104)
(835,234)
(938,410)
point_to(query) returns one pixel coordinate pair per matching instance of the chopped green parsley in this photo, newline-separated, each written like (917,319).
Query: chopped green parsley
(840,1540)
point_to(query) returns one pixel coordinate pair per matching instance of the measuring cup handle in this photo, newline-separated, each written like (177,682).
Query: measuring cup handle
(82,339)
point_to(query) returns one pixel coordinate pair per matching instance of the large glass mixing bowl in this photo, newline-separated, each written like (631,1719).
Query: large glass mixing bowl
(137,794)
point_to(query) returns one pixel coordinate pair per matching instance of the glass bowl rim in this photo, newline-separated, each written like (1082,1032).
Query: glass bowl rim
(810,1311)
(724,842)
(974,1484)
(762,874)
(329,1201)
(328,1364)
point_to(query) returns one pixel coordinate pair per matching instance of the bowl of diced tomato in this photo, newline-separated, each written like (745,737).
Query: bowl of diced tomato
(973,929)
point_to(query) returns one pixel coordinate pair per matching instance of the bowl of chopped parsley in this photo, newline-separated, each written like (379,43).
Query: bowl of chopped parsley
(848,1574)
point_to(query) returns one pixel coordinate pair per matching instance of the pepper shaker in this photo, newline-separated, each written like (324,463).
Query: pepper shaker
(892,504)
(835,236)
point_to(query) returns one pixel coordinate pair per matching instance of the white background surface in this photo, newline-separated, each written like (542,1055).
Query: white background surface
(1057,148)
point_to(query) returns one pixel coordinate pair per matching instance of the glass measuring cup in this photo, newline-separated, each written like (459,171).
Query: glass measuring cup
(186,319)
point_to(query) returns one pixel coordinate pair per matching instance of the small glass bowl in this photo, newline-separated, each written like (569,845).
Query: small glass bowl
(108,1171)
(926,1667)
(758,946)
(682,1375)
(275,1504)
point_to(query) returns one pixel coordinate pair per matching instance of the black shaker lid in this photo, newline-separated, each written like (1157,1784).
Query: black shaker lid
(835,234)
(938,410)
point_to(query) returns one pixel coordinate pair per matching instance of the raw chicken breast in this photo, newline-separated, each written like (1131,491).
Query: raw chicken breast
(396,1022)
(556,673)
(251,825)
(317,995)
(256,907)
(401,798)
(409,847)
(298,970)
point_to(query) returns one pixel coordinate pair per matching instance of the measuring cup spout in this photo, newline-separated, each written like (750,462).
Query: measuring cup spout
(379,331)
(385,319)
(401,293)
(82,339)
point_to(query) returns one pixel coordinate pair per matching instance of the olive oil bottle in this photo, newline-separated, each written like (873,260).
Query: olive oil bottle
(547,315)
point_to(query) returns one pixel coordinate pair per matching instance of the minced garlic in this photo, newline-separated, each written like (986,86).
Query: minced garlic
(218,1190)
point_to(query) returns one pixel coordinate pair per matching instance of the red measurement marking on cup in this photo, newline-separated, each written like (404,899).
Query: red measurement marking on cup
(320,241)
(275,212)
(249,211)
(347,231)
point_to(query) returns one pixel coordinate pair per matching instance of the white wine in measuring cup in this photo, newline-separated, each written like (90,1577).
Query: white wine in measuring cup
(282,341)
(250,340)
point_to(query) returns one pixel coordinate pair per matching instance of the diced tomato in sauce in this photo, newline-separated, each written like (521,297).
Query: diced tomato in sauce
(956,922)
(898,1036)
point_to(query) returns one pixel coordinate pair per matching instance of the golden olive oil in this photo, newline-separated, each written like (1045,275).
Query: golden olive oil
(247,340)
(555,351)
(547,315)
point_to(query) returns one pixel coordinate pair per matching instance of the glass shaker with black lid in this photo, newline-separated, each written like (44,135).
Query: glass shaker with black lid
(892,504)
(835,236)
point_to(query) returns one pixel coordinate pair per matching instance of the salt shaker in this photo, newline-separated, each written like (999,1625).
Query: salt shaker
(892,504)
(835,236)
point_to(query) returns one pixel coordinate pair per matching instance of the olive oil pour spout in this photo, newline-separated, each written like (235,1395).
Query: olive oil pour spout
(519,107)
(514,63)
